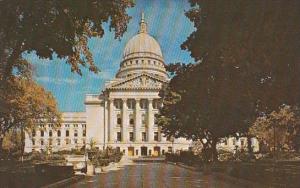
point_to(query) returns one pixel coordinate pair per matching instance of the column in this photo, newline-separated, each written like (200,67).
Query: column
(111,120)
(124,121)
(106,127)
(150,121)
(137,121)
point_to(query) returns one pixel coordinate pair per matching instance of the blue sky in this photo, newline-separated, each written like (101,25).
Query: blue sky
(166,23)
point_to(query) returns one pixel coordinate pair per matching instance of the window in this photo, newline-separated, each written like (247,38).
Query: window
(50,133)
(67,141)
(83,125)
(144,119)
(131,138)
(144,136)
(50,125)
(75,133)
(75,141)
(42,133)
(119,136)
(58,133)
(67,133)
(84,133)
(130,104)
(119,119)
(75,125)
(33,142)
(42,142)
(67,125)
(33,133)
(143,103)
(118,104)
(131,120)
(156,119)
(155,136)
(155,104)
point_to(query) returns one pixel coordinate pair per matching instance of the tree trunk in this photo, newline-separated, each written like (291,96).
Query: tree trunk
(214,150)
(1,148)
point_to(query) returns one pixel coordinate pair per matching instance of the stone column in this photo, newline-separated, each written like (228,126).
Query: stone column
(124,121)
(137,121)
(111,120)
(150,121)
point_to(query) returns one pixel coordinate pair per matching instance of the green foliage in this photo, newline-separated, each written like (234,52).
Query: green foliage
(60,27)
(279,128)
(103,158)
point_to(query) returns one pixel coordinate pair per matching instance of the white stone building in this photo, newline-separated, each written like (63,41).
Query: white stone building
(123,115)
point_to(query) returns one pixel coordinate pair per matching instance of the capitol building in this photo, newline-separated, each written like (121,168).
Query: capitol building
(123,116)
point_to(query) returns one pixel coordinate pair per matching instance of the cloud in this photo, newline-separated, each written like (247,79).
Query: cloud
(102,75)
(58,81)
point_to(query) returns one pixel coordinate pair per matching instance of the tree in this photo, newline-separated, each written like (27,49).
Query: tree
(25,104)
(278,129)
(59,27)
(201,104)
(257,38)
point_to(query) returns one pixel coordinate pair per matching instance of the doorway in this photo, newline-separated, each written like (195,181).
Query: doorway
(130,151)
(144,151)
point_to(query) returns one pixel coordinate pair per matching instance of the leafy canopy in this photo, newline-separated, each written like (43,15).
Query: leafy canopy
(57,26)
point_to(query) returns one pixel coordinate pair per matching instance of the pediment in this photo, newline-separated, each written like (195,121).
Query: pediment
(142,81)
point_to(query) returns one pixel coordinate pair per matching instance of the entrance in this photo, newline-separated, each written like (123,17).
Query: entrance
(130,151)
(156,151)
(144,151)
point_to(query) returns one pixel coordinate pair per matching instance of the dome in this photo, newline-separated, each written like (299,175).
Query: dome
(142,53)
(142,43)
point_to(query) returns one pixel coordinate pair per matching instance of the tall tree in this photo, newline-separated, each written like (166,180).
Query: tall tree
(56,26)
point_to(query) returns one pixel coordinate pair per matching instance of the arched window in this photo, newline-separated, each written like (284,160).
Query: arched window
(42,133)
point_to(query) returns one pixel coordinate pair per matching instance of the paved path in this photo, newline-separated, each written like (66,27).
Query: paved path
(151,175)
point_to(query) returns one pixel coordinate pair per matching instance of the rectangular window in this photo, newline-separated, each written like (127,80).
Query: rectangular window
(50,133)
(83,125)
(42,142)
(75,125)
(144,136)
(119,136)
(75,133)
(33,142)
(42,133)
(58,133)
(84,133)
(131,138)
(67,133)
(155,136)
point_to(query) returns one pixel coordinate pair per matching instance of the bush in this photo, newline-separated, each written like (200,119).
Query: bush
(103,158)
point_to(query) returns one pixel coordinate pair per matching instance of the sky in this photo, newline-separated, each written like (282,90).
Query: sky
(166,23)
